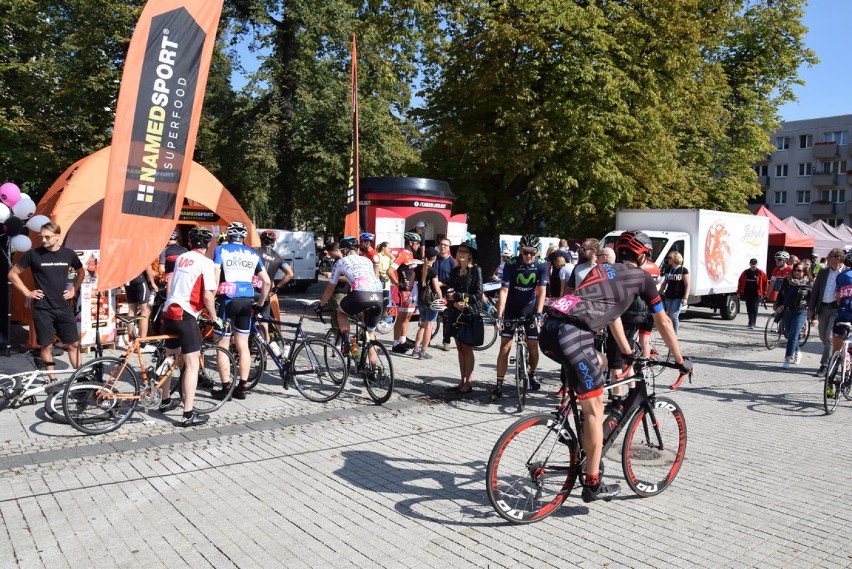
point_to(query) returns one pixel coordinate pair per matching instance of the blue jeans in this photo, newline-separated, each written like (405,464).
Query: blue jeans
(793,322)
(673,306)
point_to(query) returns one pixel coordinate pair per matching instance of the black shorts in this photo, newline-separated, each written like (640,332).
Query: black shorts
(60,321)
(370,303)
(137,293)
(574,348)
(237,311)
(509,328)
(188,335)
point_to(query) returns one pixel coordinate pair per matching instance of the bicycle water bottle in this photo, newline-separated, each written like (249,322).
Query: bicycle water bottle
(151,297)
(164,367)
(354,349)
(611,421)
(275,349)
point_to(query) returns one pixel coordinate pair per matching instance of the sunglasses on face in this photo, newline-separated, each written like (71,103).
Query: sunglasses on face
(528,251)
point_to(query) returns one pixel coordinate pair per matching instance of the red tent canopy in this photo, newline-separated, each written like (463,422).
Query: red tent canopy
(781,234)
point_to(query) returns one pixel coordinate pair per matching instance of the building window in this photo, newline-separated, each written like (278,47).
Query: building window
(806,140)
(834,196)
(780,170)
(805,169)
(782,142)
(762,170)
(803,196)
(840,137)
(780,198)
(834,167)
(833,221)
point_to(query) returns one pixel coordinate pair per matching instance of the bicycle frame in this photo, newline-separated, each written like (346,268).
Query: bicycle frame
(24,389)
(299,337)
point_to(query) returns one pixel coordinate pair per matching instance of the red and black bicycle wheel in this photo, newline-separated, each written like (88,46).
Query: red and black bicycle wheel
(532,468)
(654,448)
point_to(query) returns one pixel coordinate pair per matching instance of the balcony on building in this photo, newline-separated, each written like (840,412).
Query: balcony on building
(764,181)
(822,181)
(825,150)
(822,208)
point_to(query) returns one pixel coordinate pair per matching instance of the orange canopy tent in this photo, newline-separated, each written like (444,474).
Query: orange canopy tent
(782,235)
(75,201)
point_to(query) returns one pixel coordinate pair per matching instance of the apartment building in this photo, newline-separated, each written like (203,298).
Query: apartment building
(808,175)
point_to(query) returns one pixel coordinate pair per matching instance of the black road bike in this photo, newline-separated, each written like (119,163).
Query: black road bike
(538,459)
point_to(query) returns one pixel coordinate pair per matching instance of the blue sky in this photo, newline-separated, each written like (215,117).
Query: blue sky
(828,85)
(826,92)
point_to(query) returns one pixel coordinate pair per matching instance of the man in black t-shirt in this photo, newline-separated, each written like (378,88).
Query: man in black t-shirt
(168,257)
(52,313)
(272,261)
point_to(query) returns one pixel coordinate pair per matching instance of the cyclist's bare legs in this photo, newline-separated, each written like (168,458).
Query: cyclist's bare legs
(191,363)
(503,356)
(343,326)
(241,341)
(593,433)
(533,350)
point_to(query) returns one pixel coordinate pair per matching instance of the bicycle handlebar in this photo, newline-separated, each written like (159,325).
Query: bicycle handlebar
(647,361)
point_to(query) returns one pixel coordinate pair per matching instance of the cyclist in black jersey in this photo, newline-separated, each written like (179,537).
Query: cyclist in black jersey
(568,338)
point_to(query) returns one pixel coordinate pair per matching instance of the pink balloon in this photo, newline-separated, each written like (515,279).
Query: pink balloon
(10,194)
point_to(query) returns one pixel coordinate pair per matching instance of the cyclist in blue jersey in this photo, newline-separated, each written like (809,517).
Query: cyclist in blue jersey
(238,268)
(523,290)
(843,294)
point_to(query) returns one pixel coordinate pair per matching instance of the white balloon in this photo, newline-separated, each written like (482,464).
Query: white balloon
(21,243)
(37,221)
(5,212)
(24,209)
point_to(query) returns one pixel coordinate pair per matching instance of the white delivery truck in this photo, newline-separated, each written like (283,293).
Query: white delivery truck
(716,248)
(299,250)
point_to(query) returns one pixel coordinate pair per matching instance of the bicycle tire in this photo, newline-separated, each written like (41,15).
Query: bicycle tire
(211,379)
(650,463)
(532,468)
(9,386)
(318,370)
(804,333)
(772,333)
(100,396)
(378,376)
(846,385)
(491,331)
(333,337)
(414,326)
(521,374)
(53,408)
(386,322)
(258,360)
(831,385)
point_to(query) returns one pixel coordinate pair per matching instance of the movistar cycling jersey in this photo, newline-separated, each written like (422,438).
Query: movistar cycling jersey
(605,294)
(238,263)
(522,280)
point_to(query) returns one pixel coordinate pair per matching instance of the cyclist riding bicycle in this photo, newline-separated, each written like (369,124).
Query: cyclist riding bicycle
(568,338)
(365,293)
(524,285)
(781,270)
(237,269)
(844,303)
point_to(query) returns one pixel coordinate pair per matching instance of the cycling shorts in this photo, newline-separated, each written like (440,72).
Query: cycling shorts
(137,293)
(509,328)
(188,335)
(370,303)
(406,301)
(237,311)
(573,347)
(840,331)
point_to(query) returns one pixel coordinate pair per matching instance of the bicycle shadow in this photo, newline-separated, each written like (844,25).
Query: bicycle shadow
(439,495)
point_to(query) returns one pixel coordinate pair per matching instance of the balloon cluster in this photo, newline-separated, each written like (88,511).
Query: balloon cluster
(16,212)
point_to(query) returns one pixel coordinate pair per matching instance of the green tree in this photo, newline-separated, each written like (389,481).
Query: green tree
(548,116)
(60,66)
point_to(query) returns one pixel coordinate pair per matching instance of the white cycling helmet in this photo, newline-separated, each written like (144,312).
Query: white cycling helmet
(782,256)
(438,305)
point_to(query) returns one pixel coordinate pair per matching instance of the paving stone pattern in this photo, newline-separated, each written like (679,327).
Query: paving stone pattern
(278,481)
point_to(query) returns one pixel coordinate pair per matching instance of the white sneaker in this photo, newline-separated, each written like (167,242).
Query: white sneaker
(445,347)
(798,358)
(786,364)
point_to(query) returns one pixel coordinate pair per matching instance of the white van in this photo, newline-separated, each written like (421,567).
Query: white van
(299,250)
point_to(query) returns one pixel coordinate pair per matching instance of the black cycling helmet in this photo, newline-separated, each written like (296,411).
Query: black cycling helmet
(199,237)
(412,236)
(635,242)
(529,240)
(348,243)
(268,238)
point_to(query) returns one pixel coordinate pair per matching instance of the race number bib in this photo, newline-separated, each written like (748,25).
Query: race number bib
(565,304)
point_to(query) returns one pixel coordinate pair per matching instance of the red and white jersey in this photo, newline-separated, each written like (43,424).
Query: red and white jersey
(192,276)
(405,257)
(371,254)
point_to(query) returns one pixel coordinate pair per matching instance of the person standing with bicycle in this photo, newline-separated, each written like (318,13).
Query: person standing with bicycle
(365,293)
(822,306)
(792,301)
(843,295)
(237,266)
(191,288)
(272,261)
(567,337)
(524,287)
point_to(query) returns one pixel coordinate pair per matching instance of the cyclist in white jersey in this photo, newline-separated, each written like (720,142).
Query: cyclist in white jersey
(238,268)
(365,289)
